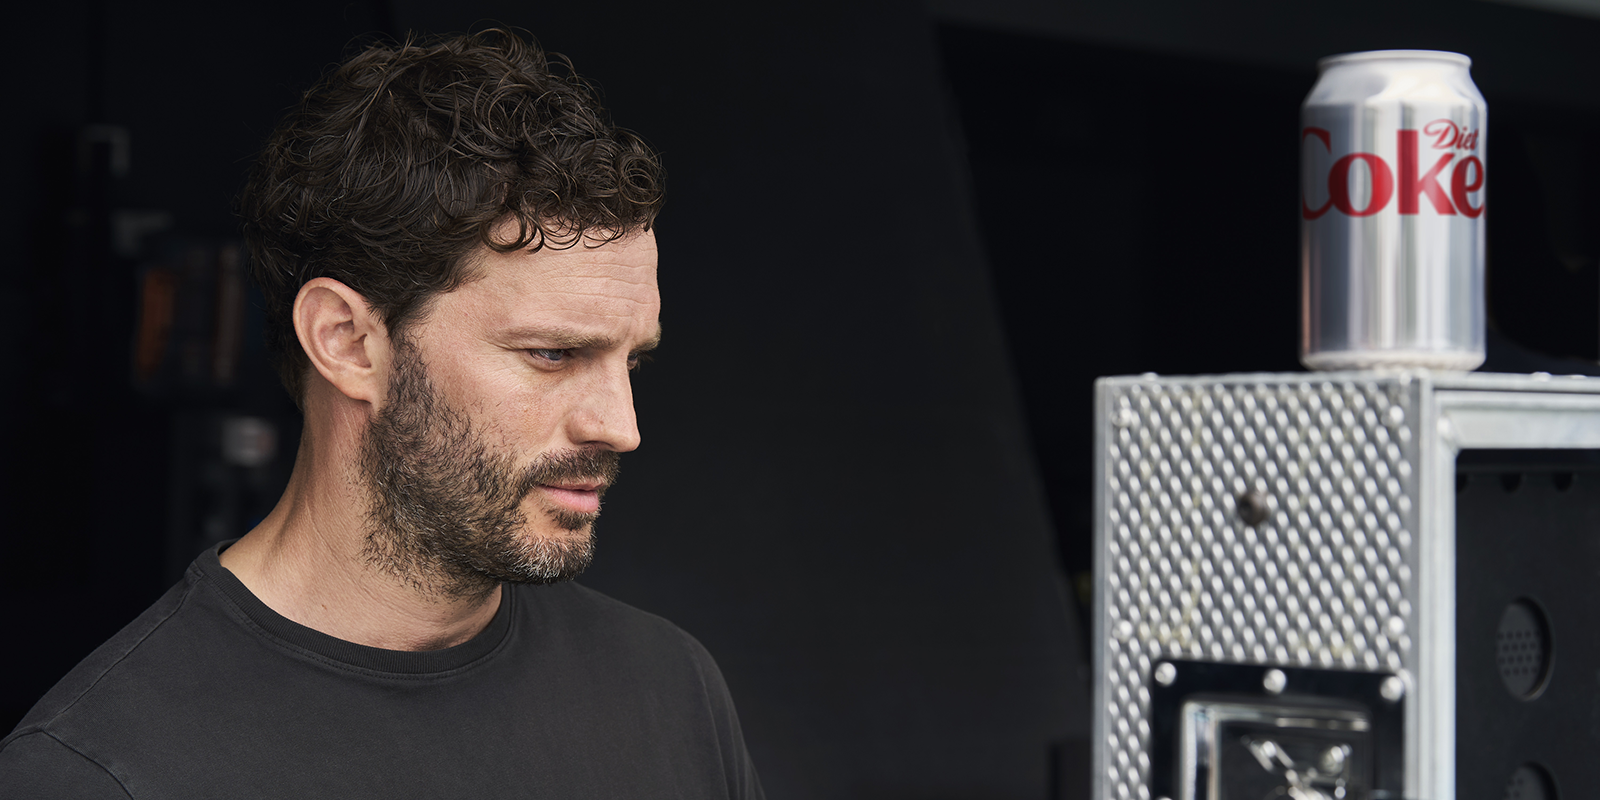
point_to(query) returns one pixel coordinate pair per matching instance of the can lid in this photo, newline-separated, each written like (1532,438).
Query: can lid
(1395,55)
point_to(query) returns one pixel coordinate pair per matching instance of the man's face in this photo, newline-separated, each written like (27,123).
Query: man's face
(508,404)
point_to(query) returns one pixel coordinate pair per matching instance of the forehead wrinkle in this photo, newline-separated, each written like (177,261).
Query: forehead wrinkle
(608,296)
(557,279)
(603,267)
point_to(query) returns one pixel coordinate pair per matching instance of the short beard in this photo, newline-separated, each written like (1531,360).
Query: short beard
(445,509)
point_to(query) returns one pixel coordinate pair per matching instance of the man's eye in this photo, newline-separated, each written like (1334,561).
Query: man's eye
(636,359)
(555,356)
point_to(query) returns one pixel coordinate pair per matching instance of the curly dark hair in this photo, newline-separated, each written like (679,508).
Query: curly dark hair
(401,161)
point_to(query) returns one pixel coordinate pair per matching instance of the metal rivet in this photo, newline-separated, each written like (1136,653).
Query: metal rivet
(1253,507)
(1393,688)
(1274,681)
(1166,673)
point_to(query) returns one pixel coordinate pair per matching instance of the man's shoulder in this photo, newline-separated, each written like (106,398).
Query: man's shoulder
(38,765)
(101,672)
(639,660)
(572,613)
(64,738)
(574,598)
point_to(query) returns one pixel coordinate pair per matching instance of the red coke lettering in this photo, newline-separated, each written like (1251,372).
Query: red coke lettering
(1413,185)
(1460,186)
(1307,211)
(1466,177)
(1339,184)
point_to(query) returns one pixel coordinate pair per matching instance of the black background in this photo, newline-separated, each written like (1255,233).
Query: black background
(901,241)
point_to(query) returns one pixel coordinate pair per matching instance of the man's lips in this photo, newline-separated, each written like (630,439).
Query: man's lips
(582,497)
(576,486)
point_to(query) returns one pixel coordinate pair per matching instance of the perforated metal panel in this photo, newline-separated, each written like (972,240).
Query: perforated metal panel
(1324,580)
(1299,520)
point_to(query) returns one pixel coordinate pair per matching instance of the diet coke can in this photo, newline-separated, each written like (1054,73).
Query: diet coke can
(1392,226)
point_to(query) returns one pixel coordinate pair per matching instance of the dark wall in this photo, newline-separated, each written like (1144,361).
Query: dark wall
(901,241)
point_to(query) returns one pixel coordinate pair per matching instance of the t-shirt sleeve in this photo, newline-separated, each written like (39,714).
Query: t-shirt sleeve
(37,766)
(743,782)
(742,779)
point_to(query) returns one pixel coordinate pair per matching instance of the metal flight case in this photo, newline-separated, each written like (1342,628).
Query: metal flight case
(1347,585)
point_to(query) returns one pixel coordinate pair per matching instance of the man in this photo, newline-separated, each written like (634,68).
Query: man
(456,250)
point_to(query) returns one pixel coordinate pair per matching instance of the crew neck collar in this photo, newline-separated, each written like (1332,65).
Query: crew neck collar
(208,568)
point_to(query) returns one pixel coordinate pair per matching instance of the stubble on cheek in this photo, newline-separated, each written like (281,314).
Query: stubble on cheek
(452,516)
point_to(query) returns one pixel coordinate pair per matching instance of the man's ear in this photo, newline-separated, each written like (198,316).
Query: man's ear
(346,343)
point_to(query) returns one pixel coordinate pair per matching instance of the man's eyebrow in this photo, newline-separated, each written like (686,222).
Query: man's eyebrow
(569,339)
(650,344)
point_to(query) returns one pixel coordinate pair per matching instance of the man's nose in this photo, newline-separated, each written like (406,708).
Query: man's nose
(604,417)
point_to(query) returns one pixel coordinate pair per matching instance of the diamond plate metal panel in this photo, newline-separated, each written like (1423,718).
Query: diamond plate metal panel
(1325,580)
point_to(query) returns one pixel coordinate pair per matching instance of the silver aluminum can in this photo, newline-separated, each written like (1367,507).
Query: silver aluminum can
(1392,179)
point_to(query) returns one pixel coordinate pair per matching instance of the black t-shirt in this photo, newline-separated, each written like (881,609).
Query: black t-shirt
(210,694)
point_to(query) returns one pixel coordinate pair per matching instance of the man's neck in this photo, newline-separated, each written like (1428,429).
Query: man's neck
(305,561)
